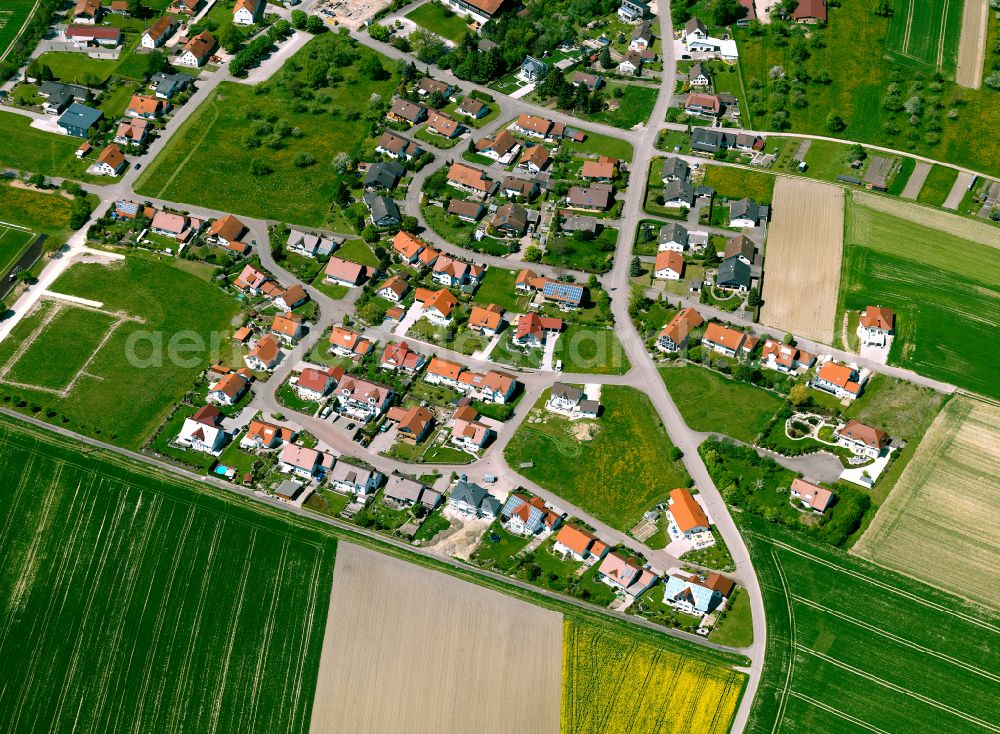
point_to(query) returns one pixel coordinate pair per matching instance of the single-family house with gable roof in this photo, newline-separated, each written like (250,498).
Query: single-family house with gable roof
(288,327)
(408,247)
(669,265)
(698,77)
(111,161)
(532,330)
(315,384)
(443,372)
(566,295)
(487,320)
(699,103)
(453,273)
(265,354)
(597,197)
(467,211)
(742,247)
(675,169)
(197,50)
(226,230)
(534,159)
(472,107)
(500,147)
(631,64)
(746,213)
(158,33)
(185,7)
(352,479)
(428,86)
(785,358)
(862,439)
(148,108)
(383,211)
(625,575)
(393,289)
(398,357)
(691,595)
(687,520)
(533,126)
(132,132)
(876,325)
(362,399)
(734,275)
(440,124)
(602,170)
(396,146)
(412,424)
(510,219)
(383,176)
(263,435)
(304,462)
(347,343)
(471,499)
(247,12)
(345,272)
(579,544)
(587,80)
(251,280)
(468,432)
(407,492)
(810,11)
(674,336)
(729,342)
(837,379)
(201,432)
(229,389)
(437,305)
(471,180)
(811,496)
(673,237)
(526,516)
(677,194)
(406,112)
(308,244)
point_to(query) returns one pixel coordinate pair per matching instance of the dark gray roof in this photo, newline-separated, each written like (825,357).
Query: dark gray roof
(676,168)
(381,207)
(674,190)
(403,489)
(384,175)
(167,84)
(575,223)
(288,489)
(80,116)
(744,209)
(589,406)
(696,71)
(674,232)
(734,272)
(474,495)
(566,392)
(711,141)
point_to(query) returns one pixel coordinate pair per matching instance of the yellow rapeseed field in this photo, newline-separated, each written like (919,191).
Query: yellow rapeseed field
(617,684)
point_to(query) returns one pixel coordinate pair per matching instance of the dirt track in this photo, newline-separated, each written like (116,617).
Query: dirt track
(802,260)
(411,650)
(972,44)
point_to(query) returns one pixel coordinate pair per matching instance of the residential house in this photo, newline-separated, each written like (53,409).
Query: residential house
(631,65)
(513,186)
(315,384)
(631,11)
(527,281)
(533,127)
(344,272)
(811,496)
(443,372)
(711,140)
(471,107)
(197,50)
(727,341)
(675,169)
(699,103)
(251,281)
(346,343)
(148,108)
(383,176)
(309,245)
(428,86)
(501,147)
(669,265)
(441,124)
(580,223)
(748,143)
(565,295)
(406,112)
(675,334)
(396,146)
(602,170)
(352,479)
(87,11)
(59,96)
(677,194)
(686,519)
(185,7)
(110,162)
(383,211)
(532,70)
(453,273)
(408,247)
(201,432)
(304,462)
(398,357)
(673,238)
(746,213)
(625,575)
(393,289)
(362,399)
(740,246)
(132,132)
(570,401)
(87,35)
(173,225)
(262,435)
(471,499)
(467,431)
(734,275)
(492,386)
(412,424)
(527,516)
(691,595)
(437,305)
(597,197)
(488,320)
(158,33)
(78,119)
(698,77)
(467,211)
(642,37)
(534,159)
(247,12)
(226,230)
(407,492)
(579,544)
(510,220)
(785,358)
(588,81)
(532,330)
(471,180)
(839,380)
(229,389)
(810,11)
(265,354)
(875,326)
(167,85)
(862,439)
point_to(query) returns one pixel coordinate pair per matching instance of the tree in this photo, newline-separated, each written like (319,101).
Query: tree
(635,268)
(369,234)
(37,180)
(260,168)
(789,339)
(299,19)
(409,224)
(605,58)
(230,38)
(304,160)
(379,32)
(883,8)
(372,68)
(315,24)
(342,163)
(835,123)
(857,152)
(799,394)
(993,80)
(25,276)
(725,12)
(533,254)
(753,297)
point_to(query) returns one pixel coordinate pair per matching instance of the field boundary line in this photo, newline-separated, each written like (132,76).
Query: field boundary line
(899,689)
(881,584)
(191,152)
(20,30)
(26,344)
(896,638)
(11,225)
(838,713)
(945,6)
(791,645)
(909,27)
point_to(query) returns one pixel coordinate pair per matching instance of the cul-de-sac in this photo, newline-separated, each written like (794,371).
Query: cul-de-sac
(522,366)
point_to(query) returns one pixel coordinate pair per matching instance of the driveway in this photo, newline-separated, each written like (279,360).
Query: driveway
(550,350)
(411,317)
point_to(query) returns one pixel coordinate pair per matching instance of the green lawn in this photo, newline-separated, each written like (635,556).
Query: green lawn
(902,176)
(943,303)
(938,185)
(617,474)
(633,108)
(712,403)
(438,19)
(591,350)
(857,51)
(506,353)
(601,144)
(574,252)
(849,639)
(77,68)
(357,251)
(13,243)
(499,553)
(738,183)
(149,604)
(173,344)
(212,143)
(497,287)
(42,212)
(736,627)
(30,149)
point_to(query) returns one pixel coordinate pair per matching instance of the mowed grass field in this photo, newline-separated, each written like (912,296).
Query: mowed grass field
(925,33)
(737,183)
(32,209)
(713,403)
(13,243)
(937,185)
(617,686)
(207,162)
(134,603)
(437,19)
(13,13)
(29,149)
(616,467)
(853,647)
(944,289)
(135,377)
(939,523)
